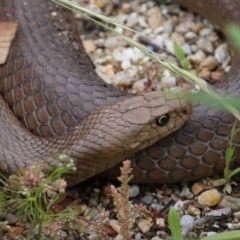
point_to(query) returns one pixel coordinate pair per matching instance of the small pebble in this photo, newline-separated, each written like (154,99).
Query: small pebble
(221,52)
(118,55)
(186,219)
(160,222)
(233,226)
(186,193)
(199,187)
(228,201)
(205,31)
(190,35)
(157,206)
(147,199)
(196,27)
(179,205)
(126,64)
(92,202)
(197,57)
(145,225)
(138,236)
(236,214)
(11,218)
(186,48)
(205,45)
(193,210)
(209,63)
(154,19)
(169,81)
(132,19)
(115,225)
(134,190)
(89,46)
(209,198)
(205,74)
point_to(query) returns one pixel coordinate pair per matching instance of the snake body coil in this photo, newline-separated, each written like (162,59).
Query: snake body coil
(51,86)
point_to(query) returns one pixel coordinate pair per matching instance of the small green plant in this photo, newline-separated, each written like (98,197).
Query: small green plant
(35,198)
(174,224)
(175,228)
(228,174)
(184,62)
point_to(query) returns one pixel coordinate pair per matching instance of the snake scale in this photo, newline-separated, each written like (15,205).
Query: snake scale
(49,82)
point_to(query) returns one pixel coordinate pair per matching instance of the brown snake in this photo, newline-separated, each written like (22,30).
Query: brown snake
(51,86)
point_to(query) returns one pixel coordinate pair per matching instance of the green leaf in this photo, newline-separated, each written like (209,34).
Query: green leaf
(174,224)
(233,33)
(235,171)
(233,235)
(178,51)
(233,130)
(185,63)
(227,188)
(219,182)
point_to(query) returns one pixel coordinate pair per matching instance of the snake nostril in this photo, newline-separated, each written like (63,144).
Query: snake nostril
(185,112)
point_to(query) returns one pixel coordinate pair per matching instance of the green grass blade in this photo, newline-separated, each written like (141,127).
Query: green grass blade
(180,56)
(235,171)
(233,235)
(174,224)
(233,33)
(178,51)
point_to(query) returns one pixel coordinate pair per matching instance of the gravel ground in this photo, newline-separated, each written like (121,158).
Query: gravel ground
(203,211)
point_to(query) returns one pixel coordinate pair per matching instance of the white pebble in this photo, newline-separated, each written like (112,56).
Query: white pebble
(186,193)
(169,81)
(142,22)
(221,52)
(168,26)
(169,45)
(179,205)
(186,49)
(128,53)
(190,35)
(145,225)
(118,55)
(126,64)
(158,30)
(205,45)
(132,19)
(134,190)
(147,199)
(160,222)
(205,31)
(186,219)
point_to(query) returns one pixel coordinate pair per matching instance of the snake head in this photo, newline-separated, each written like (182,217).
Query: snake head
(152,116)
(134,124)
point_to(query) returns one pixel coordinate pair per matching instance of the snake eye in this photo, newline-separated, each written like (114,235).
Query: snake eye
(162,120)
